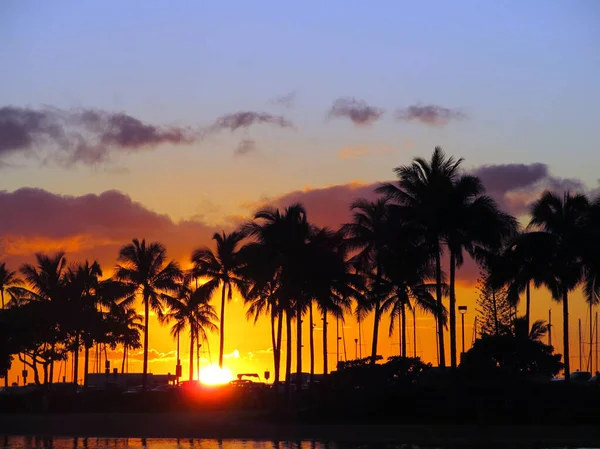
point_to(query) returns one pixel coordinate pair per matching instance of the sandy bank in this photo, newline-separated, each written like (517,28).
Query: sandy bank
(245,426)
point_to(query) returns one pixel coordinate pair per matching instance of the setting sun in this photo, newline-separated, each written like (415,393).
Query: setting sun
(213,375)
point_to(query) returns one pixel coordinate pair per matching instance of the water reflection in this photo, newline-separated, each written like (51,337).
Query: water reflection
(29,442)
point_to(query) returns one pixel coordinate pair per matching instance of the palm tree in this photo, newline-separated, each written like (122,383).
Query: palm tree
(191,309)
(423,196)
(561,222)
(9,282)
(261,288)
(46,282)
(284,237)
(221,268)
(144,269)
(130,324)
(369,234)
(331,282)
(81,283)
(473,220)
(407,267)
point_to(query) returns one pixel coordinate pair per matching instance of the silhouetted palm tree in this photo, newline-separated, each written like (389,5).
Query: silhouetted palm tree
(369,234)
(221,268)
(260,272)
(130,324)
(331,282)
(46,282)
(144,268)
(473,220)
(9,282)
(423,195)
(191,309)
(285,236)
(590,250)
(561,222)
(407,267)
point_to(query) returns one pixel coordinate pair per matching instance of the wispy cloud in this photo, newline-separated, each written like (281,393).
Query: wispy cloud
(246,119)
(358,111)
(286,101)
(81,136)
(429,114)
(362,150)
(246,146)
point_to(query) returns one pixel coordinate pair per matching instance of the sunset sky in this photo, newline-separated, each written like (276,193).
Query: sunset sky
(172,120)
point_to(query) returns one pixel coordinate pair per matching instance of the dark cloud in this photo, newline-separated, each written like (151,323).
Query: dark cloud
(246,146)
(358,111)
(429,114)
(86,136)
(88,226)
(506,177)
(287,100)
(246,119)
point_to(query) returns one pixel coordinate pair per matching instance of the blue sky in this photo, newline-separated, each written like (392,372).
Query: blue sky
(524,73)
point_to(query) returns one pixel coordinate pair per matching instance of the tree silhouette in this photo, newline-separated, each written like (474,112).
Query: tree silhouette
(369,234)
(191,309)
(143,268)
(222,269)
(423,195)
(561,222)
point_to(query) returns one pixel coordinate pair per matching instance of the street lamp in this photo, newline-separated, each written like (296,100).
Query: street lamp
(356,348)
(462,310)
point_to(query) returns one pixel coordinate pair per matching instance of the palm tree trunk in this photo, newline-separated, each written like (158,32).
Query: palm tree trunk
(452,309)
(52,364)
(146,320)
(438,294)
(278,354)
(527,303)
(298,344)
(222,324)
(2,291)
(273,338)
(414,332)
(124,356)
(76,359)
(495,305)
(403,314)
(191,355)
(376,320)
(325,366)
(288,354)
(566,334)
(86,364)
(312,344)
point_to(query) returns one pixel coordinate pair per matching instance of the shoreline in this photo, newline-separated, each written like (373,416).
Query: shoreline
(227,426)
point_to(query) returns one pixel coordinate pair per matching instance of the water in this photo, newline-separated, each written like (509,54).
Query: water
(166,443)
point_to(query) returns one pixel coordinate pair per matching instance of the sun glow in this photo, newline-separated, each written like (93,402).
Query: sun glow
(213,375)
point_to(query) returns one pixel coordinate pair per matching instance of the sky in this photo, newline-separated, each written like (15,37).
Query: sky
(170,121)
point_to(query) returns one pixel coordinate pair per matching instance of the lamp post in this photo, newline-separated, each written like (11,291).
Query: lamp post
(356,348)
(462,310)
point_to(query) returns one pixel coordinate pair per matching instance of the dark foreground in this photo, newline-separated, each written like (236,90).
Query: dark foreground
(230,425)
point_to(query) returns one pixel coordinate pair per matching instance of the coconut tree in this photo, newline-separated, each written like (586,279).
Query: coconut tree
(130,326)
(423,196)
(191,309)
(408,268)
(332,283)
(46,281)
(9,283)
(221,268)
(473,220)
(144,268)
(368,235)
(260,271)
(561,223)
(284,235)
